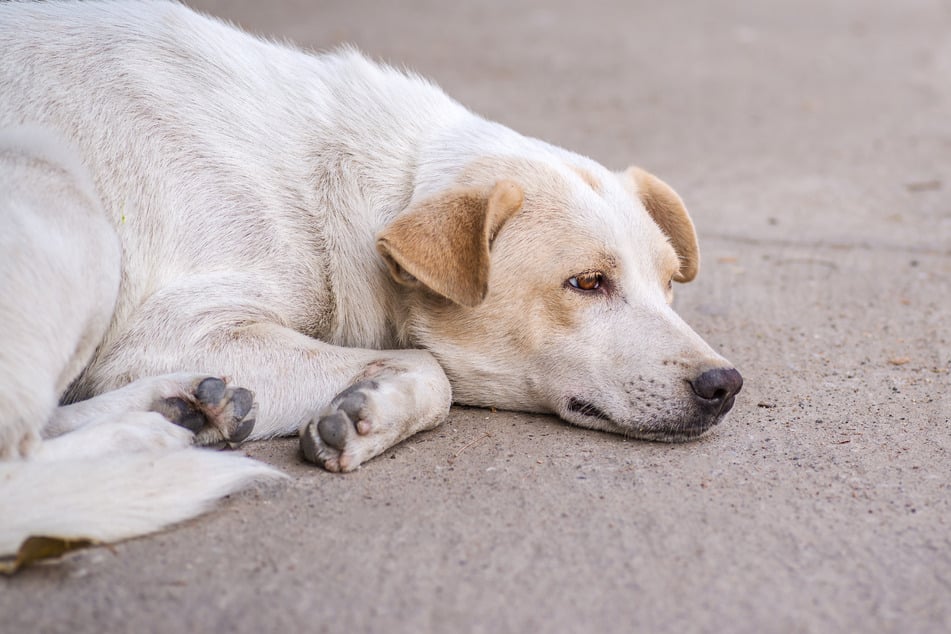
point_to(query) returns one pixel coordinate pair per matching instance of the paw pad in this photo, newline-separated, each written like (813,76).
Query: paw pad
(214,412)
(327,439)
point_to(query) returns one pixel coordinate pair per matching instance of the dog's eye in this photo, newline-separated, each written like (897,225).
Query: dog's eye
(587,281)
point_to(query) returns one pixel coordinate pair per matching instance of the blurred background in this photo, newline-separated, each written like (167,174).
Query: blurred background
(765,115)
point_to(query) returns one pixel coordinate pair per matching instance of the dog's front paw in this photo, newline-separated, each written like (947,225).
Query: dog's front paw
(215,412)
(348,432)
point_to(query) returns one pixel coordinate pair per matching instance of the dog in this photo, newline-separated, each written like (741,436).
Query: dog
(210,238)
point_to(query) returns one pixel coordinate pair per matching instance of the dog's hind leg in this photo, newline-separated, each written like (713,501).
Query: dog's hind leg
(59,277)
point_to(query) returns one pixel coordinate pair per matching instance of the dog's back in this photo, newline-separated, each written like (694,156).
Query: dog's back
(170,109)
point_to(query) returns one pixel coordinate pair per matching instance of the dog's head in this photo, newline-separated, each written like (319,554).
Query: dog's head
(546,286)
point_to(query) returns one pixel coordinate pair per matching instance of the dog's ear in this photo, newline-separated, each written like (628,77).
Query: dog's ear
(668,211)
(443,241)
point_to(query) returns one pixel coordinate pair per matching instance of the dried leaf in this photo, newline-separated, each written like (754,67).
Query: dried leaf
(38,548)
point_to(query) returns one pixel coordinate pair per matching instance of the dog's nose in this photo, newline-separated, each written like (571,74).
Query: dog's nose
(716,388)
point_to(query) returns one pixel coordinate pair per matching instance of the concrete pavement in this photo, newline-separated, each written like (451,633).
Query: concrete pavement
(812,142)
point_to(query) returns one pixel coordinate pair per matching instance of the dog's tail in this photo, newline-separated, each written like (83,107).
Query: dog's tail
(115,497)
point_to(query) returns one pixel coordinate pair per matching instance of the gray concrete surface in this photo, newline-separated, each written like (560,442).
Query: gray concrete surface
(812,142)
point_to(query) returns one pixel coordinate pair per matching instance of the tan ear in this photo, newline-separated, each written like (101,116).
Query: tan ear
(668,211)
(444,241)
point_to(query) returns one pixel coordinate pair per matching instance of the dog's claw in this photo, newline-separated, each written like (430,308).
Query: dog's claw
(313,446)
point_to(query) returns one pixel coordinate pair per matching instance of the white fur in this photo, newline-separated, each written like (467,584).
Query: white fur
(184,200)
(116,497)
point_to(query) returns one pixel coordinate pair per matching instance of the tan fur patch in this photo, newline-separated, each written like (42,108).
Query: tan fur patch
(444,241)
(587,177)
(668,211)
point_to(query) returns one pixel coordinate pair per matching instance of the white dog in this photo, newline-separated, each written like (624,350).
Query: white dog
(191,215)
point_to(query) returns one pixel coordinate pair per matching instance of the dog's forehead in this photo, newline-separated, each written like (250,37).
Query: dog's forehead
(568,196)
(590,200)
(583,216)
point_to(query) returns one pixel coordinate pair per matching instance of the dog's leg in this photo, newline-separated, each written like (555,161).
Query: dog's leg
(392,394)
(59,276)
(206,406)
(391,400)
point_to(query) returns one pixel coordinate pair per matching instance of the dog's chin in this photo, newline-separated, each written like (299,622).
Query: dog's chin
(586,414)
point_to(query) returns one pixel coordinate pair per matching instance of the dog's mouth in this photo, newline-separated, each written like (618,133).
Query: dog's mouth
(675,431)
(586,409)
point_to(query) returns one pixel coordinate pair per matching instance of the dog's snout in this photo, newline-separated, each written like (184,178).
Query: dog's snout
(716,388)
